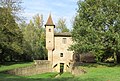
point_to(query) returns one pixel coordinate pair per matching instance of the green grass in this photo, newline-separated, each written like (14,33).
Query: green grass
(95,72)
(101,73)
(44,75)
(9,66)
(2,75)
(66,74)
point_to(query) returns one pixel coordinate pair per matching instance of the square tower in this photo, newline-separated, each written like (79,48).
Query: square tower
(50,37)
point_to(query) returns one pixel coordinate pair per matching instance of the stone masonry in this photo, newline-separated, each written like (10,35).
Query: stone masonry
(57,45)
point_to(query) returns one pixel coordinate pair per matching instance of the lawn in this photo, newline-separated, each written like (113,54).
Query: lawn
(8,66)
(44,75)
(95,72)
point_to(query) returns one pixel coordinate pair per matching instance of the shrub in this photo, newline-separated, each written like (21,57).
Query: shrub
(87,58)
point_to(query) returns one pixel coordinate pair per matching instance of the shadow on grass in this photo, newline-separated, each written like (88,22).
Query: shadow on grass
(12,63)
(98,64)
(7,77)
(89,64)
(48,79)
(107,64)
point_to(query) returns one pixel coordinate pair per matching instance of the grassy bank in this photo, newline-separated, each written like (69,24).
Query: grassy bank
(95,72)
(9,66)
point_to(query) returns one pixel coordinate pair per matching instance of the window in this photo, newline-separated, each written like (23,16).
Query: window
(49,30)
(64,40)
(61,54)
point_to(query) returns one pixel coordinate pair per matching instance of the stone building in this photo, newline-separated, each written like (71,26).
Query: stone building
(57,45)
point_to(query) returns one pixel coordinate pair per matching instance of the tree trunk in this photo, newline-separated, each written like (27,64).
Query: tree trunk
(115,58)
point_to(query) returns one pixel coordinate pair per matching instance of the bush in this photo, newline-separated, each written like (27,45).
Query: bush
(87,58)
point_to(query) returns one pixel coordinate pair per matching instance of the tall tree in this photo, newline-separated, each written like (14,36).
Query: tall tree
(96,28)
(10,36)
(61,26)
(38,20)
(34,38)
(12,6)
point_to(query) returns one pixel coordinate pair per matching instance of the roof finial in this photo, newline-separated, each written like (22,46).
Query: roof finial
(49,21)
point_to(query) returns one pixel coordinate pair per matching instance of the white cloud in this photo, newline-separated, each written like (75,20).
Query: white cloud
(58,8)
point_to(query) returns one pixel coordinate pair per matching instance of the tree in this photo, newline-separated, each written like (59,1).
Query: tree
(61,26)
(34,38)
(12,6)
(10,36)
(38,21)
(96,28)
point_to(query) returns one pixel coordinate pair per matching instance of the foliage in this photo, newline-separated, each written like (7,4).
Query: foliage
(61,26)
(25,42)
(10,36)
(13,6)
(34,39)
(87,58)
(96,28)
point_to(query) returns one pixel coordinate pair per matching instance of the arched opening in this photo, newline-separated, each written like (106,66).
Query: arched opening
(61,68)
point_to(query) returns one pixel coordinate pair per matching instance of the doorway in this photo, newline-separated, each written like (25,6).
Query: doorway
(61,68)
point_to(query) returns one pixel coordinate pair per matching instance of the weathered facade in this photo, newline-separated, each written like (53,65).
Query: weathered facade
(57,46)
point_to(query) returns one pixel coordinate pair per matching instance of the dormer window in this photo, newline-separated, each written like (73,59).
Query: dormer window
(49,30)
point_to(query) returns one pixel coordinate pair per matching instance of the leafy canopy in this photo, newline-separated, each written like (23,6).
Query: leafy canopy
(96,27)
(61,26)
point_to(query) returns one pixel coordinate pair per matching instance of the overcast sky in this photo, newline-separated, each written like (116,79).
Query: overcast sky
(58,8)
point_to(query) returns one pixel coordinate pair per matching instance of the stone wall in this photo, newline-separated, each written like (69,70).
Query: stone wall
(40,66)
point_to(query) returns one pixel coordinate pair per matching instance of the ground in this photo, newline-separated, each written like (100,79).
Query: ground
(95,72)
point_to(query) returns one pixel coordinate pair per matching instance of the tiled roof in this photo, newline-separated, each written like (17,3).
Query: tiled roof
(49,21)
(64,34)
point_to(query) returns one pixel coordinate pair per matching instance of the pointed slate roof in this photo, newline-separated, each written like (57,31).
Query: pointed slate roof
(49,21)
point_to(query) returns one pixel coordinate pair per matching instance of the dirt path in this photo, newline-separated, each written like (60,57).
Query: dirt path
(58,75)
